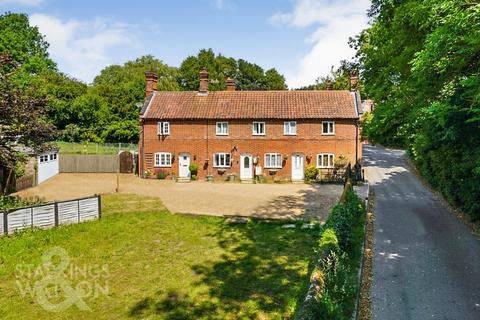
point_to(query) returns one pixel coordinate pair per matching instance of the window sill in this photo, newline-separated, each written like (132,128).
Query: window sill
(259,134)
(273,168)
(163,166)
(221,168)
(289,134)
(328,134)
(221,134)
(325,167)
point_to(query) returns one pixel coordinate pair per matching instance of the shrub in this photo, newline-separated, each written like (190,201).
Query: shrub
(311,173)
(193,169)
(161,175)
(328,240)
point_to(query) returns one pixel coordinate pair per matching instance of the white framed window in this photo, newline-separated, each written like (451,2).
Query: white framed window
(221,160)
(258,128)
(222,128)
(273,160)
(43,158)
(290,128)
(325,160)
(328,127)
(163,128)
(163,159)
(53,156)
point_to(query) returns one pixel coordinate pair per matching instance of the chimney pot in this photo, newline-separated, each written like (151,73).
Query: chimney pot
(203,76)
(152,80)
(329,84)
(354,80)
(231,84)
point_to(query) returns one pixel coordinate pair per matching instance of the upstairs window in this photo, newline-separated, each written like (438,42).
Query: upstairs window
(163,159)
(221,160)
(290,128)
(325,160)
(328,127)
(259,128)
(273,160)
(163,128)
(222,128)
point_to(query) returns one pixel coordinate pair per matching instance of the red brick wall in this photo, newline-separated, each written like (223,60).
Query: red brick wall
(191,137)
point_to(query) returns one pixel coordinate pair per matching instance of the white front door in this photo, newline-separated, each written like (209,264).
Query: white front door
(297,167)
(183,164)
(246,167)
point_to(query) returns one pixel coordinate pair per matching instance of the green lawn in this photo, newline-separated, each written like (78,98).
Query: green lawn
(163,266)
(93,148)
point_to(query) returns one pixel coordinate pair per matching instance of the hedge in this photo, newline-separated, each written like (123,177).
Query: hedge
(333,282)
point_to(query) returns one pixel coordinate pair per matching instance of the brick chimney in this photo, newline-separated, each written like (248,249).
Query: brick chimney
(231,84)
(329,84)
(152,79)
(203,87)
(354,80)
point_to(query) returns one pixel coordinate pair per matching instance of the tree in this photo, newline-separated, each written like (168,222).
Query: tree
(22,119)
(248,76)
(25,45)
(338,79)
(420,64)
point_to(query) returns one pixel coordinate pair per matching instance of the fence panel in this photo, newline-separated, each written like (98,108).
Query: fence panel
(24,182)
(88,209)
(67,212)
(2,220)
(44,216)
(89,163)
(19,219)
(50,215)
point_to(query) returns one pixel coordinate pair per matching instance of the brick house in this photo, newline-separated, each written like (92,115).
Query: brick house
(274,134)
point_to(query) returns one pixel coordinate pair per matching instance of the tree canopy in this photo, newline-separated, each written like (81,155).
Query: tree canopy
(420,63)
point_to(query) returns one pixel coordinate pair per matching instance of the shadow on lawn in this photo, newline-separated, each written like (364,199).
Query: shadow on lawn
(261,272)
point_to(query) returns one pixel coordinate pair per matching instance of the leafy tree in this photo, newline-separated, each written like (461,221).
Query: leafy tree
(338,79)
(248,76)
(25,45)
(22,119)
(420,64)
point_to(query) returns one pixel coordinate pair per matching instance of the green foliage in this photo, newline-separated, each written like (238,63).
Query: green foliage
(25,45)
(161,175)
(333,285)
(311,173)
(248,76)
(420,65)
(193,169)
(328,240)
(12,202)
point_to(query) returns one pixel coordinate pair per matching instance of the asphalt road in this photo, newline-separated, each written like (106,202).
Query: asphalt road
(427,263)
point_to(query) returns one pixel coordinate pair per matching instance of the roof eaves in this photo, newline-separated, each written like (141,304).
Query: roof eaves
(148,104)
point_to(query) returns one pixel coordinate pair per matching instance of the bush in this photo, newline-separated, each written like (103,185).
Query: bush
(311,173)
(193,169)
(11,202)
(161,175)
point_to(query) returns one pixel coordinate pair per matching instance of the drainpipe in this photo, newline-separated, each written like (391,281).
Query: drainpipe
(142,154)
(206,156)
(356,141)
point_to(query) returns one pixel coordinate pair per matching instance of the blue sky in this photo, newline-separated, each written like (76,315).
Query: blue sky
(301,38)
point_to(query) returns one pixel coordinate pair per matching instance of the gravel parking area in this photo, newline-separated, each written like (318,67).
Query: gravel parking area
(276,201)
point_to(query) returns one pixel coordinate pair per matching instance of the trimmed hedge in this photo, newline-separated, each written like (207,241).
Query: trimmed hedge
(333,283)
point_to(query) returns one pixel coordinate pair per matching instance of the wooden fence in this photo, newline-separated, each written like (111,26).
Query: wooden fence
(94,163)
(51,215)
(24,182)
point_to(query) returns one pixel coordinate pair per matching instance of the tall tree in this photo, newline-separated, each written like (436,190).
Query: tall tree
(248,76)
(25,45)
(22,118)
(420,62)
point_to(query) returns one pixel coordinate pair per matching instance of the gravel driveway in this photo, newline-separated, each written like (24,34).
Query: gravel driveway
(426,262)
(260,200)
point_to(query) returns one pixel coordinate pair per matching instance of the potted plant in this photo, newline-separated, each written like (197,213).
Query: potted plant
(193,171)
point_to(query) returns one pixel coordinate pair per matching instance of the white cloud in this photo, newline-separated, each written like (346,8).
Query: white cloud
(220,4)
(29,3)
(83,48)
(334,22)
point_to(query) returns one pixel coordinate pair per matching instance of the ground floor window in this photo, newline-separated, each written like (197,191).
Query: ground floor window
(325,160)
(273,160)
(221,160)
(163,159)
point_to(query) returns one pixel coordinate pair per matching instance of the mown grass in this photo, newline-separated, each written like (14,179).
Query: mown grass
(165,266)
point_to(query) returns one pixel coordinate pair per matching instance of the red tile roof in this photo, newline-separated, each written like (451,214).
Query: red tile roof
(251,105)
